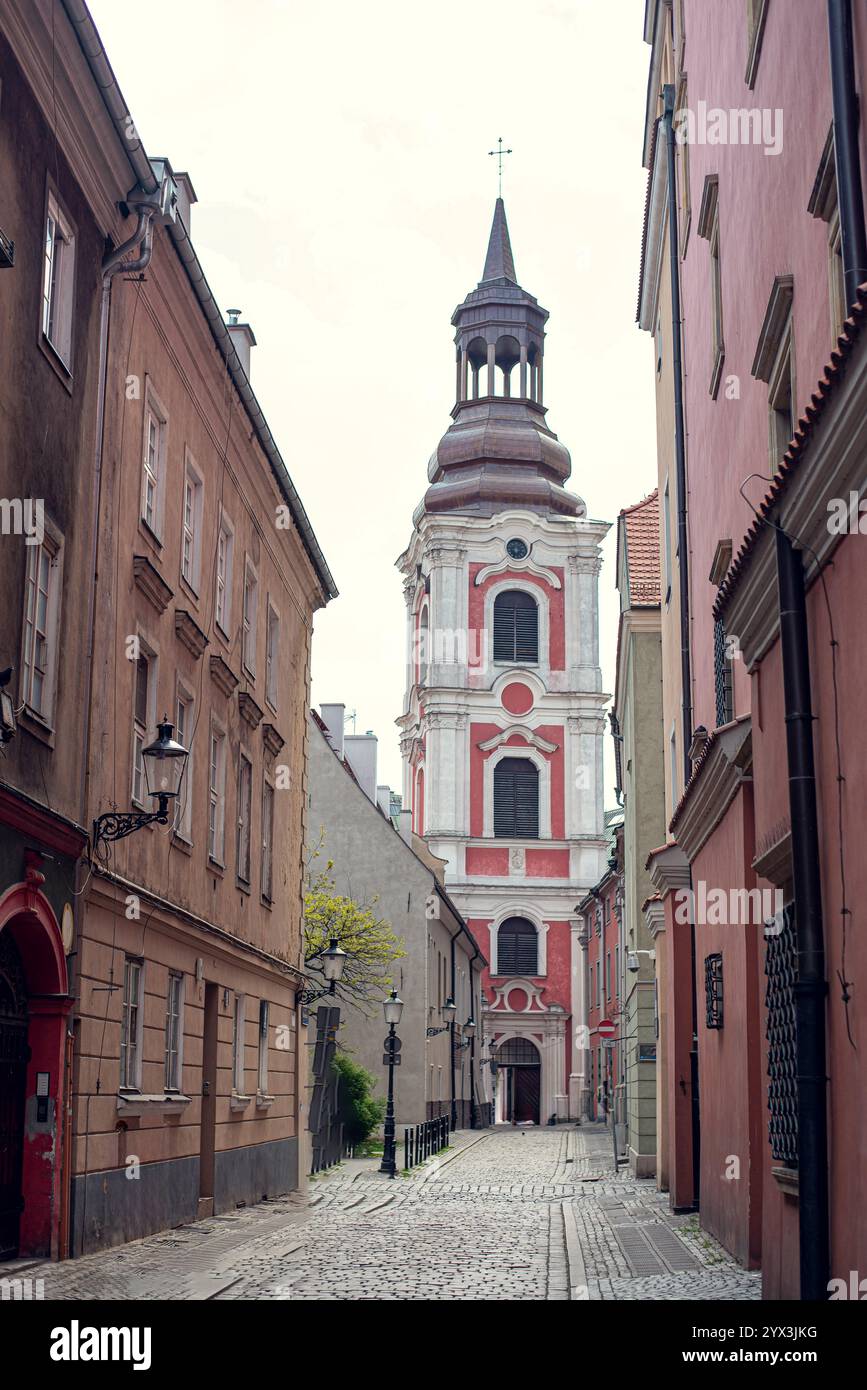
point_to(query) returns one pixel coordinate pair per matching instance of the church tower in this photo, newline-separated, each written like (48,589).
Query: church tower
(503,719)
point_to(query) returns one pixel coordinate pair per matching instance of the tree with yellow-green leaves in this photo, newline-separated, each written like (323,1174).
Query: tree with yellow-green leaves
(370,944)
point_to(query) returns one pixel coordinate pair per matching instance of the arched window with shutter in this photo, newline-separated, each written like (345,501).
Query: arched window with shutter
(517,948)
(516,627)
(516,799)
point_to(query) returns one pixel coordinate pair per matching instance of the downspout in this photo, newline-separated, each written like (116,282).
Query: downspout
(844,96)
(810,989)
(454,1116)
(683,580)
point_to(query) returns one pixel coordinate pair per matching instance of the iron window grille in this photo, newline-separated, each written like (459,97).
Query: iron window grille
(722,676)
(781,973)
(713,990)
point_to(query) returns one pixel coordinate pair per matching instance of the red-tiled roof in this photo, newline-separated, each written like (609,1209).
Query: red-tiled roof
(641,527)
(786,474)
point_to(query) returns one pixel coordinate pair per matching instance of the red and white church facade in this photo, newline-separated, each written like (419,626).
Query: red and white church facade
(503,721)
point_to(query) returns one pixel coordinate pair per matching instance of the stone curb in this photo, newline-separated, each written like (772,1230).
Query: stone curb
(441,1163)
(578,1287)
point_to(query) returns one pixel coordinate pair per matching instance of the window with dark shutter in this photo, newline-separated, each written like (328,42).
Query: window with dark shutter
(516,799)
(517,948)
(516,627)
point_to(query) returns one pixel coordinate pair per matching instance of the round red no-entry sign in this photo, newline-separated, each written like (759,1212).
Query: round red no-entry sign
(606,1028)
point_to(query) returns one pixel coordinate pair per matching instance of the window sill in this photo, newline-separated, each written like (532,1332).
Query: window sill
(716,374)
(216,868)
(189,589)
(164,1103)
(34,725)
(267,902)
(263,1101)
(180,842)
(787,1179)
(150,536)
(242,886)
(238,1102)
(52,356)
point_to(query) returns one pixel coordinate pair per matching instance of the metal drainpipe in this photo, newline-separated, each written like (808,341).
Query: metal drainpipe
(810,988)
(683,583)
(454,1115)
(844,98)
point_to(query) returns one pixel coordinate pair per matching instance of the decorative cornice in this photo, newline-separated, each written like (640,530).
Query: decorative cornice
(669,868)
(272,740)
(528,735)
(250,711)
(717,776)
(774,859)
(585,564)
(654,916)
(150,581)
(222,675)
(189,632)
(518,567)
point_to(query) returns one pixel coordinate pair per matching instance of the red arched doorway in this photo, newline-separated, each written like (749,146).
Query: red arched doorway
(34,1003)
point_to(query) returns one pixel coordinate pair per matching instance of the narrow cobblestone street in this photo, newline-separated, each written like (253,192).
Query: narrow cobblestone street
(513,1214)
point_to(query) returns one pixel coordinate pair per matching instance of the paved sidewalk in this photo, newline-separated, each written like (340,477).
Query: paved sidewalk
(503,1214)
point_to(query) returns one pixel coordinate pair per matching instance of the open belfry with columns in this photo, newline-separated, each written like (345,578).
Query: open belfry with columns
(503,722)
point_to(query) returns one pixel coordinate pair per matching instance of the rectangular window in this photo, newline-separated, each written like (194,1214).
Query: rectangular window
(248,634)
(245,786)
(131,1024)
(191,527)
(153,462)
(41,607)
(599,982)
(718,344)
(267,838)
(672,764)
(238,1045)
(58,281)
(174,1030)
(217,797)
(264,1010)
(223,597)
(608,976)
(184,724)
(666,534)
(781,400)
(272,655)
(144,698)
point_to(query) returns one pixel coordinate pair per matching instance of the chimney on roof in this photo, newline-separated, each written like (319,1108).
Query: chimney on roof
(406,827)
(361,756)
(383,798)
(334,718)
(186,196)
(243,338)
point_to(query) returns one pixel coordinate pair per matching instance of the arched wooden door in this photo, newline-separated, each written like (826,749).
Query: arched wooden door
(14,1055)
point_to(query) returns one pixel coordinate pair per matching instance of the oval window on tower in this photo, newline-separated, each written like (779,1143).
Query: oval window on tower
(517,548)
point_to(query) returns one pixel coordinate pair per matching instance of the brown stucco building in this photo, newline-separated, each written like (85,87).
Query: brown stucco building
(176,576)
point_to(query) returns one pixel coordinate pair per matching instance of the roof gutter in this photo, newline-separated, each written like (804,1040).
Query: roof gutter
(92,48)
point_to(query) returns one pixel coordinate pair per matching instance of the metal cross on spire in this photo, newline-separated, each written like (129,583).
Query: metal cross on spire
(500,152)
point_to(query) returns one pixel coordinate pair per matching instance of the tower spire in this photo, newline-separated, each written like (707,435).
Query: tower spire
(499,262)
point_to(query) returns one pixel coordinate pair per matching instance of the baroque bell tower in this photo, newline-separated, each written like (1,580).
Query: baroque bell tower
(503,720)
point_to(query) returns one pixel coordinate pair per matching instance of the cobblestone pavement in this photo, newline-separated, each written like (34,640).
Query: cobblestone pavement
(526,1214)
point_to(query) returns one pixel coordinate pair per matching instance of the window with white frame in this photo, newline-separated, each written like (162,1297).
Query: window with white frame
(174,1030)
(248,628)
(153,461)
(238,1045)
(272,655)
(58,281)
(245,802)
(223,596)
(781,399)
(184,725)
(267,838)
(262,1079)
(41,612)
(131,1024)
(217,796)
(144,700)
(191,527)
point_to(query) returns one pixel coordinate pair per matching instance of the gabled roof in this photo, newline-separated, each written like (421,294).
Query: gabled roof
(499,262)
(638,532)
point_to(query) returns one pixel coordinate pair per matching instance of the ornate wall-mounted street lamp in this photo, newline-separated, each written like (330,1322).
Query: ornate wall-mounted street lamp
(165,761)
(392,1007)
(448,1011)
(333,964)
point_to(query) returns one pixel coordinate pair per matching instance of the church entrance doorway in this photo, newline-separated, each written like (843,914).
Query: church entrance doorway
(519,1081)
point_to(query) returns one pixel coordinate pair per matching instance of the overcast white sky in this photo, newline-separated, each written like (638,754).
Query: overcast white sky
(339,153)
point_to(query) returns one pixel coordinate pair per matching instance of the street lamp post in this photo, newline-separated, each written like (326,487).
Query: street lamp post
(469,1040)
(392,1007)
